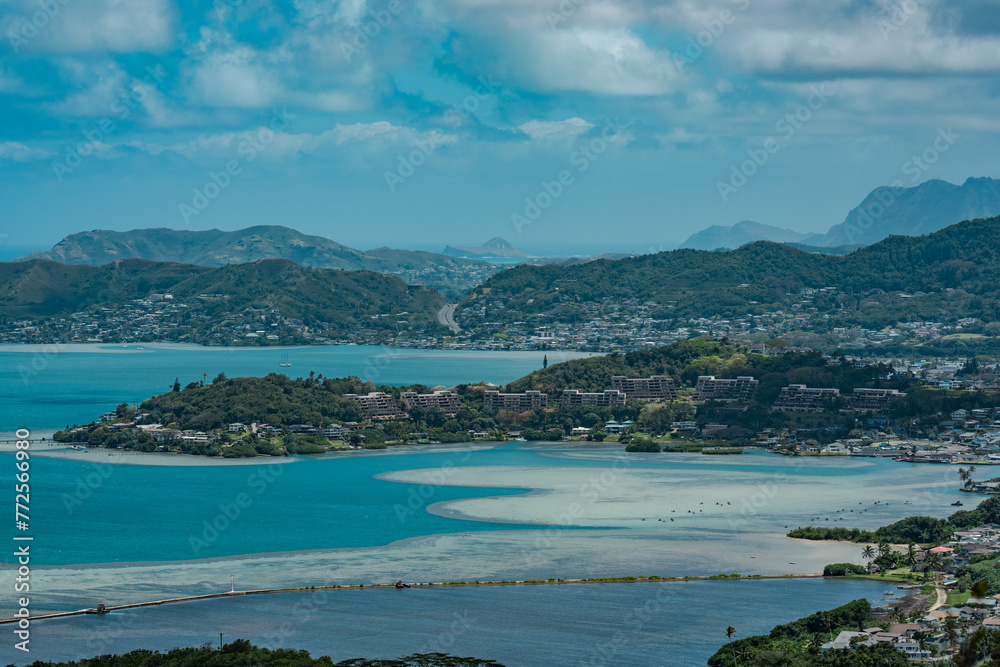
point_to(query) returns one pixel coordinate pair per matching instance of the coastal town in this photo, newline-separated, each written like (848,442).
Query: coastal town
(624,324)
(938,596)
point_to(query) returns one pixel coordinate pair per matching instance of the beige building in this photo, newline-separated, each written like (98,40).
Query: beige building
(377,405)
(800,398)
(609,398)
(711,388)
(655,388)
(872,400)
(446,400)
(523,402)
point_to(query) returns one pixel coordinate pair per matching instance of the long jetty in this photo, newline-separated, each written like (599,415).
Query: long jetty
(305,589)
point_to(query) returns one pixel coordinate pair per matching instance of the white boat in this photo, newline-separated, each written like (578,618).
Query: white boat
(284,361)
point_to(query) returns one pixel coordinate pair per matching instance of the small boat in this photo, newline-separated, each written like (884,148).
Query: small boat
(284,361)
(888,593)
(957,503)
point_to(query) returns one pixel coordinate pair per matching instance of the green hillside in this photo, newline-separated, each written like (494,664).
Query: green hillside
(339,300)
(40,288)
(956,269)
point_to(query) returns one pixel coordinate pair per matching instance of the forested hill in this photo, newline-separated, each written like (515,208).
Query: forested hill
(42,288)
(759,276)
(686,360)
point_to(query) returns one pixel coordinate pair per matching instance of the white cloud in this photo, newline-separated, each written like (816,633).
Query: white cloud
(119,26)
(97,87)
(560,129)
(18,152)
(234,77)
(282,145)
(600,61)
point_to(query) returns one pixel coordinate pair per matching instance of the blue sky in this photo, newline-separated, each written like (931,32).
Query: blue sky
(583,124)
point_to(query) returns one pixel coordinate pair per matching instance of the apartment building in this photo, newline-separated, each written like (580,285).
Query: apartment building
(521,402)
(872,400)
(800,398)
(728,390)
(446,400)
(377,405)
(609,398)
(655,388)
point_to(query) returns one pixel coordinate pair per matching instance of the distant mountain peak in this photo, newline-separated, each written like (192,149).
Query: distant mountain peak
(888,210)
(495,247)
(893,210)
(731,237)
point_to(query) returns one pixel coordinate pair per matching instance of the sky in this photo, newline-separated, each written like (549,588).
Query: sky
(583,125)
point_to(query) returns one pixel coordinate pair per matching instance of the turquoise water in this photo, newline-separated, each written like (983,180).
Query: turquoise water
(337,502)
(47,387)
(574,624)
(207,512)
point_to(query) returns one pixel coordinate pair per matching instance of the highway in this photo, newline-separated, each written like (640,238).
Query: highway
(446,316)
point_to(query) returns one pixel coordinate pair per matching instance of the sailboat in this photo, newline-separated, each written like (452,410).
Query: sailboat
(284,361)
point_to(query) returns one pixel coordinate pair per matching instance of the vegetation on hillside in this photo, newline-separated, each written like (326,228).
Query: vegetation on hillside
(241,653)
(798,643)
(922,529)
(914,529)
(953,270)
(331,299)
(686,360)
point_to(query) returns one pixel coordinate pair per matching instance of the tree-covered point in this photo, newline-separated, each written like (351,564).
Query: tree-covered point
(914,529)
(686,360)
(922,529)
(242,653)
(798,643)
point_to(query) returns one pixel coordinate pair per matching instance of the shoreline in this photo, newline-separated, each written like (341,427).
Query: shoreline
(526,582)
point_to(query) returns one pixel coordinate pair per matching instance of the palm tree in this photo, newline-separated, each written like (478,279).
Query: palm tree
(730,631)
(964,474)
(884,548)
(911,554)
(868,554)
(934,562)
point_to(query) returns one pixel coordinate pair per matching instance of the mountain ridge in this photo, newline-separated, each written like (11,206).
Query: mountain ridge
(891,210)
(216,248)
